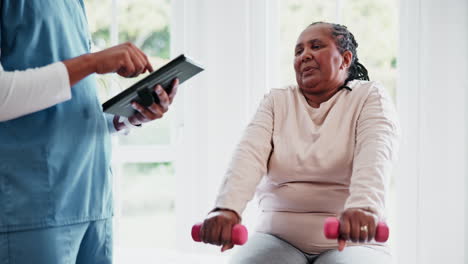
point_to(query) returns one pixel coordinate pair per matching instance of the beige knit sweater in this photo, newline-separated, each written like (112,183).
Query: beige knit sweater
(306,163)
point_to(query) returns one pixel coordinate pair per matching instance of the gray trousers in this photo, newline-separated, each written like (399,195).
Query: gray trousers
(268,249)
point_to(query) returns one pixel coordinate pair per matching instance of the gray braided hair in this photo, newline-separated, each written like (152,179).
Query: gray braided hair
(345,40)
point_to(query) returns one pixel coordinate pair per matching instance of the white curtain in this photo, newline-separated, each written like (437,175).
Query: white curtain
(432,101)
(236,42)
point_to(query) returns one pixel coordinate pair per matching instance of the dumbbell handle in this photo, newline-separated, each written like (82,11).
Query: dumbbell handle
(239,234)
(332,226)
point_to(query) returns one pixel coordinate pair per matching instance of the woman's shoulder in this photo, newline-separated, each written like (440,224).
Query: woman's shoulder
(360,86)
(366,87)
(281,97)
(284,89)
(284,92)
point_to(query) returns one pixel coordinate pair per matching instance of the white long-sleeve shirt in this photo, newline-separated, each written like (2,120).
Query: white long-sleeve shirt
(25,92)
(306,164)
(32,90)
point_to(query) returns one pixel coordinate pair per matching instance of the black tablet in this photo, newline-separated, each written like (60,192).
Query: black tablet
(142,92)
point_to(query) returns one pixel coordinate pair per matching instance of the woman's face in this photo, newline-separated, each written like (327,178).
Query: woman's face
(318,64)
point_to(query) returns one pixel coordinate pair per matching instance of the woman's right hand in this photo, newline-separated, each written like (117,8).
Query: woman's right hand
(125,59)
(217,228)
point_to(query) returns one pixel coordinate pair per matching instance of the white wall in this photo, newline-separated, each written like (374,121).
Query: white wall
(233,41)
(432,98)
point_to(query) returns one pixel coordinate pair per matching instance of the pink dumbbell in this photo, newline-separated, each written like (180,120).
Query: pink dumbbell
(332,226)
(238,236)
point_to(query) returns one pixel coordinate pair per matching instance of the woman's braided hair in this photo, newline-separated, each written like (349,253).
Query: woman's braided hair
(344,40)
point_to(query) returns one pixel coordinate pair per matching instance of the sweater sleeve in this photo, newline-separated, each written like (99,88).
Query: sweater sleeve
(32,90)
(377,135)
(249,162)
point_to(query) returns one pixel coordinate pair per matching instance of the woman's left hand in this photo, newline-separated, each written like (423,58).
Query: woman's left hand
(154,111)
(357,225)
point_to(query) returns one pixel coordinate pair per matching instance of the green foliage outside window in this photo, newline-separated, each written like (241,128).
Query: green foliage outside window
(146,24)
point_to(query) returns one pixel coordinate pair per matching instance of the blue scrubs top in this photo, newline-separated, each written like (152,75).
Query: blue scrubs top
(54,164)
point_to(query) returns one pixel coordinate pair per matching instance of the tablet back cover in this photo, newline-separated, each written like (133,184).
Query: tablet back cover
(181,67)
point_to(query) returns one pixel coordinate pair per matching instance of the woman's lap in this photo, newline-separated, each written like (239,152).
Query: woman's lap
(355,254)
(264,248)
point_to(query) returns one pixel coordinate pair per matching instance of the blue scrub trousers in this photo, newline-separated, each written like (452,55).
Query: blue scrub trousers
(89,242)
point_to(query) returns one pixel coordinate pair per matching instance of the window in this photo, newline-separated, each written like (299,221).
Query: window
(143,160)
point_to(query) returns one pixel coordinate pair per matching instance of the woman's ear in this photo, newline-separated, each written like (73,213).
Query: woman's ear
(347,59)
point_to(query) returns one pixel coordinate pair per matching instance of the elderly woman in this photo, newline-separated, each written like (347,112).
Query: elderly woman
(321,148)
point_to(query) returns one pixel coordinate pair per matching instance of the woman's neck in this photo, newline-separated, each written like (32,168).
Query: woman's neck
(314,99)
